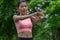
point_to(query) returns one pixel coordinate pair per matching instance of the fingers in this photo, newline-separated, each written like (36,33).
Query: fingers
(38,15)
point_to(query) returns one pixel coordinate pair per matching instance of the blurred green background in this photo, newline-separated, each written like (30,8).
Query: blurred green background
(45,29)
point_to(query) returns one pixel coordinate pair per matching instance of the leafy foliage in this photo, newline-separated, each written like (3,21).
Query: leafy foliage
(45,29)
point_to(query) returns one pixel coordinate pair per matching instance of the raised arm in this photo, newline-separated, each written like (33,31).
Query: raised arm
(17,17)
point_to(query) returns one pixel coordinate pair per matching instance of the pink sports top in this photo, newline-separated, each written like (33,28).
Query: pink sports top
(24,25)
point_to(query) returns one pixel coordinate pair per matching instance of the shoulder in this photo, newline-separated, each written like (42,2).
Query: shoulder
(14,16)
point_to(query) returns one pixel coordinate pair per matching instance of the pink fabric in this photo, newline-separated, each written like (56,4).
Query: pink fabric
(24,25)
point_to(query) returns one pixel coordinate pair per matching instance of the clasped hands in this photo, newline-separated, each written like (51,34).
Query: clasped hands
(37,16)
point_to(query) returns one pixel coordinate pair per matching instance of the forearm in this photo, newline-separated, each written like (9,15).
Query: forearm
(25,16)
(16,17)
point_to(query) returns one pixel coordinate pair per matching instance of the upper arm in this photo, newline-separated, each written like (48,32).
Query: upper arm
(15,18)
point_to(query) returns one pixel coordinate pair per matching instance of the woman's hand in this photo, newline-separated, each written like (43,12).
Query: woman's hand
(37,16)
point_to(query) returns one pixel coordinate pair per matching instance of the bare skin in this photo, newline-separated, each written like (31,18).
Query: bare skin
(18,17)
(34,17)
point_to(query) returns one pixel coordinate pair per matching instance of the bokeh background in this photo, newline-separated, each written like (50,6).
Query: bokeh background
(45,29)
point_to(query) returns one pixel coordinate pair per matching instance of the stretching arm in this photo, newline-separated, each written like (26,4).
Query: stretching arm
(17,17)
